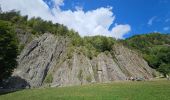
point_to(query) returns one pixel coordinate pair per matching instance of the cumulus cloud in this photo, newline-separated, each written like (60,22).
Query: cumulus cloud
(120,30)
(32,8)
(93,22)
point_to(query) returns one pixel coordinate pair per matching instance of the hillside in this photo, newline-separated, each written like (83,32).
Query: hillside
(51,55)
(155,49)
(50,60)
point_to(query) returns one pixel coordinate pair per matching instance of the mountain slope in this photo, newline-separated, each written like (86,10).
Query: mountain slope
(155,49)
(50,54)
(48,60)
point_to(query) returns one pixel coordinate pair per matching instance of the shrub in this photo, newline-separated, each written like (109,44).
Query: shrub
(49,78)
(88,78)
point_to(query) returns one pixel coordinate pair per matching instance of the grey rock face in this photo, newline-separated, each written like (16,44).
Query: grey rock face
(131,63)
(36,58)
(75,71)
(47,54)
(107,69)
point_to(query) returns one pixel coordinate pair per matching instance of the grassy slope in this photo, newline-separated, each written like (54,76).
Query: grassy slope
(150,90)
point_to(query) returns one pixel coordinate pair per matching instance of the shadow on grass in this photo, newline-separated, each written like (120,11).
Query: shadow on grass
(6,91)
(13,84)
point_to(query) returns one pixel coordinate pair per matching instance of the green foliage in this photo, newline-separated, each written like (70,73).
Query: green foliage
(92,46)
(49,78)
(8,50)
(100,43)
(155,48)
(88,78)
(152,60)
(14,17)
(90,52)
(147,41)
(165,69)
(75,38)
(34,25)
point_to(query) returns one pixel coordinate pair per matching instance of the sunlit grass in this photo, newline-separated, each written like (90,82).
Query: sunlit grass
(147,90)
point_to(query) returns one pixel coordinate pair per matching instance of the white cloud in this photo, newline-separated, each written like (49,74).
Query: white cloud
(166,28)
(120,30)
(93,22)
(150,22)
(32,8)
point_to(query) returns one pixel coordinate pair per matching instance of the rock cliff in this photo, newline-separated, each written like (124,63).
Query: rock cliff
(44,61)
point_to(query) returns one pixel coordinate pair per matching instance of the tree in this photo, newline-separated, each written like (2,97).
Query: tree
(8,50)
(164,69)
(152,60)
(100,43)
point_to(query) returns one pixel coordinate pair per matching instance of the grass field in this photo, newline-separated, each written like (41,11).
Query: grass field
(148,90)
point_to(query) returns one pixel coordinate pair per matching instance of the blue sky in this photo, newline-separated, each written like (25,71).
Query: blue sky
(116,18)
(136,13)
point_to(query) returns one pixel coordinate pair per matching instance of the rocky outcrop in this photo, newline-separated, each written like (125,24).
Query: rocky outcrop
(107,69)
(75,71)
(132,64)
(38,56)
(47,56)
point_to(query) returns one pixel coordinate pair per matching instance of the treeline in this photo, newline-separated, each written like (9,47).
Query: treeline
(40,26)
(94,45)
(155,48)
(33,25)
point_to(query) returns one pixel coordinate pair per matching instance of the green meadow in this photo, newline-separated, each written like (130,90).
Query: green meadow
(146,90)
